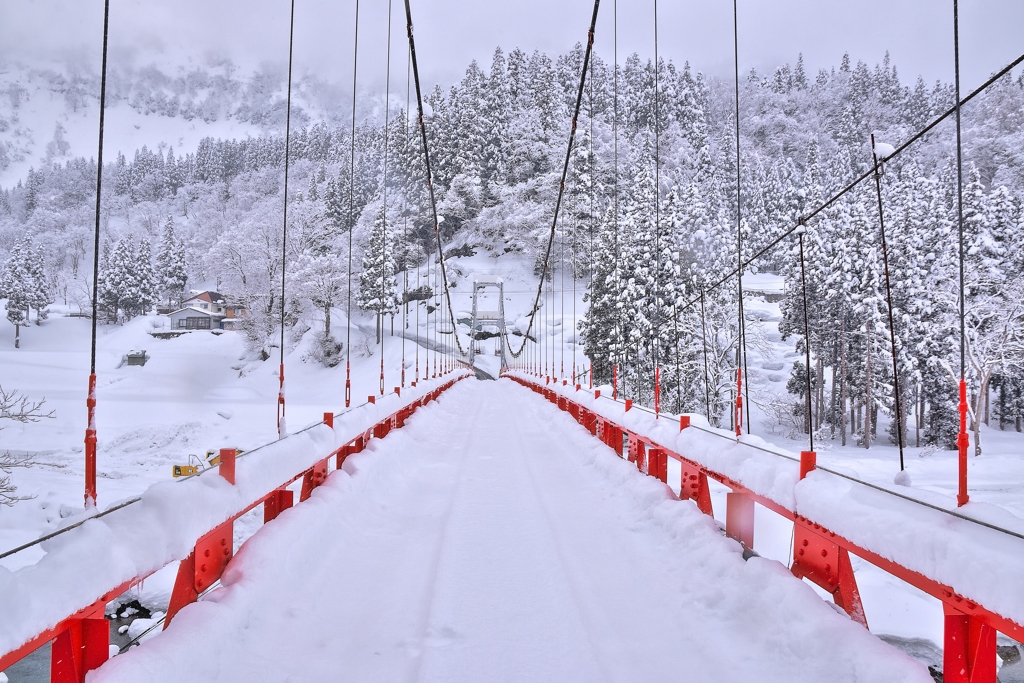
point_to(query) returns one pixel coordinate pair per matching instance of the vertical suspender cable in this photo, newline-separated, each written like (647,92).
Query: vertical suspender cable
(561,329)
(962,440)
(807,337)
(742,352)
(704,339)
(384,241)
(430,179)
(655,341)
(620,352)
(90,401)
(282,428)
(351,214)
(565,166)
(888,298)
(405,243)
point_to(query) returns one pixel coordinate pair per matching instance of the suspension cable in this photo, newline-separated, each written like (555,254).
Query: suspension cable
(405,244)
(704,339)
(384,208)
(430,179)
(351,214)
(561,259)
(90,400)
(806,218)
(565,166)
(807,339)
(962,440)
(619,344)
(282,428)
(656,318)
(888,298)
(739,223)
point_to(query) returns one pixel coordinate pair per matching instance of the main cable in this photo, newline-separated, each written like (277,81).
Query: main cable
(282,428)
(430,179)
(565,167)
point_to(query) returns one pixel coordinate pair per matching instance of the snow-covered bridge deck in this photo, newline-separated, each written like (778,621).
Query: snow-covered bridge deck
(517,548)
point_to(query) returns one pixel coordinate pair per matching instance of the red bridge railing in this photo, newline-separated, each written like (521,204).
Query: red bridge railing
(819,554)
(80,639)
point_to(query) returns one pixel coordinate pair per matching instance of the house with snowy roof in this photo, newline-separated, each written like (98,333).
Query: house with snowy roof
(207,310)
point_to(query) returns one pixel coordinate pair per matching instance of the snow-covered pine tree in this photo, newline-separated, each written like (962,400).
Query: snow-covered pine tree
(377,280)
(17,286)
(171,274)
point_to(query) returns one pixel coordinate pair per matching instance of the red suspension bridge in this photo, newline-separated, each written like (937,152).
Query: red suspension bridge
(553,533)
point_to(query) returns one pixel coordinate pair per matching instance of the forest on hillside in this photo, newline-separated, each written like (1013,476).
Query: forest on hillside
(649,224)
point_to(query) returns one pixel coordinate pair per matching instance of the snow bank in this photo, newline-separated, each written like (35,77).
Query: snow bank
(978,563)
(101,554)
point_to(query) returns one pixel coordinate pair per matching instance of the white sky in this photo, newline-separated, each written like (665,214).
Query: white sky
(918,33)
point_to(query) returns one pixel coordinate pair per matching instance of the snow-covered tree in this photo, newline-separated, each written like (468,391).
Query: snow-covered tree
(171,272)
(377,280)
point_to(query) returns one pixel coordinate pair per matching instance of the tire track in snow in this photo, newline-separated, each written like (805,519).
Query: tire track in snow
(463,447)
(571,580)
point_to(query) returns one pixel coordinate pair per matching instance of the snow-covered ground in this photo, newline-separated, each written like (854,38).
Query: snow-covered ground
(496,552)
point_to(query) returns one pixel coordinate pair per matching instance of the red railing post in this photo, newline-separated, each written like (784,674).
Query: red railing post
(969,652)
(739,518)
(329,420)
(808,461)
(693,486)
(81,646)
(276,503)
(227,464)
(818,558)
(615,382)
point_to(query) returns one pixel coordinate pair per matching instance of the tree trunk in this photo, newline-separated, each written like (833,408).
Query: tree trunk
(820,414)
(327,322)
(867,400)
(1002,405)
(832,408)
(986,406)
(982,393)
(842,375)
(17,336)
(918,416)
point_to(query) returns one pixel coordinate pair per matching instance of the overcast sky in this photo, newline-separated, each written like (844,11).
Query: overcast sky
(449,33)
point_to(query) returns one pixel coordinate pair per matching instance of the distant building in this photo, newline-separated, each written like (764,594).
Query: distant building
(207,311)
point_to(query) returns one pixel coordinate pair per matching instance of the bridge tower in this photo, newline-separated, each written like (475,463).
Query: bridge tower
(488,318)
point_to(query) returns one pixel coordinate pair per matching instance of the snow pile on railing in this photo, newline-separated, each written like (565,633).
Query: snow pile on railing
(162,527)
(978,563)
